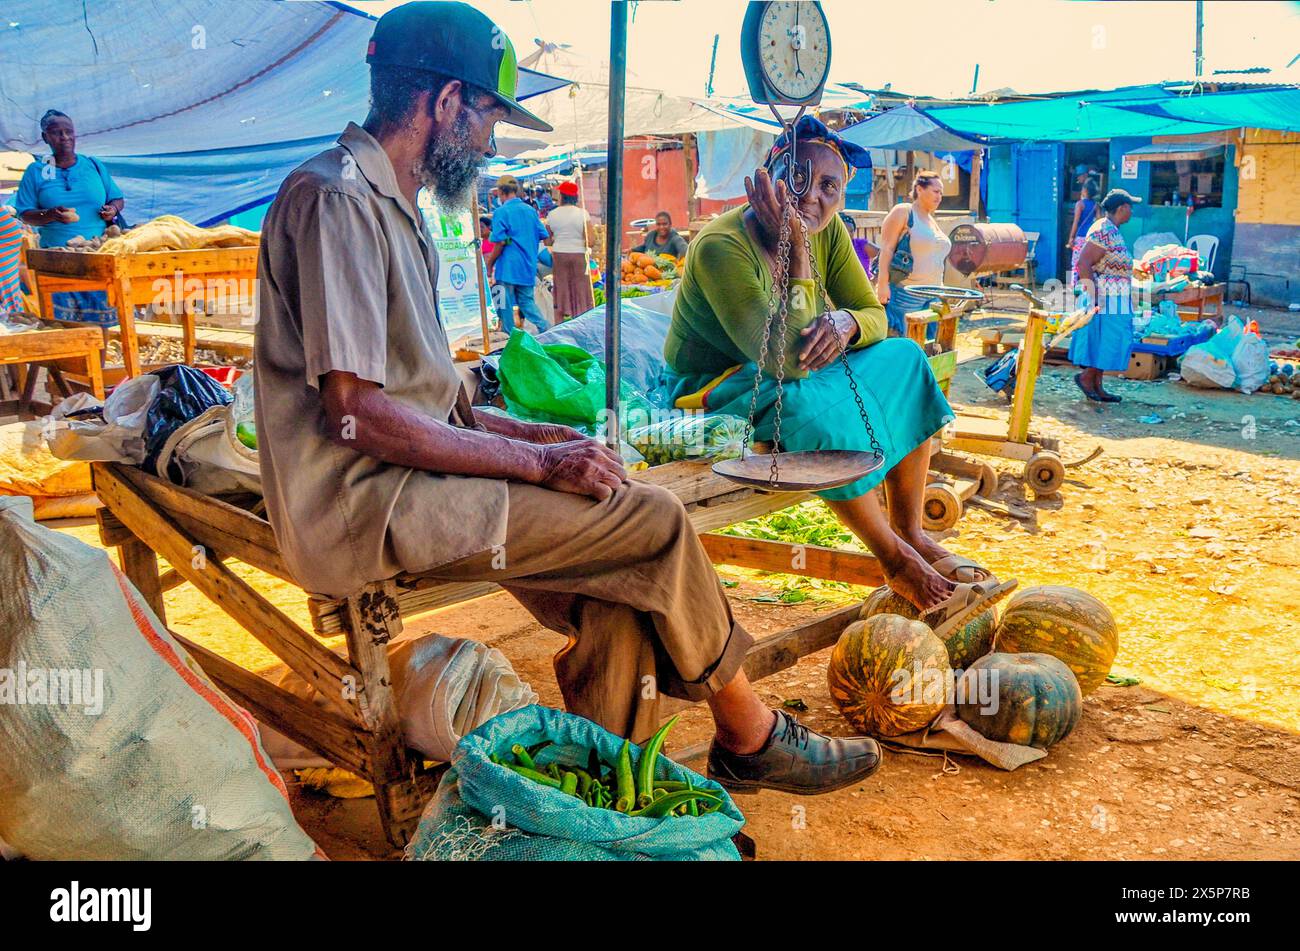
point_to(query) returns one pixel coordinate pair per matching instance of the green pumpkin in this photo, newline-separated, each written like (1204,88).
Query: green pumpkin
(1067,623)
(888,675)
(965,645)
(1038,701)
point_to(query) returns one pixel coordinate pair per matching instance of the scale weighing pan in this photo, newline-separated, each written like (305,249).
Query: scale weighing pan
(808,471)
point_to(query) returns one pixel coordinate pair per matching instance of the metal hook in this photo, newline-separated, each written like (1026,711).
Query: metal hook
(801,188)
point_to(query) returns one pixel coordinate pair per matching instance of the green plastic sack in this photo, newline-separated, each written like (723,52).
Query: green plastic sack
(485,812)
(558,383)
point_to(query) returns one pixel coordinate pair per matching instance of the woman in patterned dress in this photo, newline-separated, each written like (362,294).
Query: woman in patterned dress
(1106,282)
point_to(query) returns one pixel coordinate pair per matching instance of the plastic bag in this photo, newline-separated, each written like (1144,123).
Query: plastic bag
(545,824)
(113,431)
(643,330)
(558,383)
(1250,363)
(185,394)
(242,411)
(1210,364)
(444,688)
(693,436)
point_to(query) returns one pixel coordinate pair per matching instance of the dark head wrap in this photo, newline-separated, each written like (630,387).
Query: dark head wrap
(812,129)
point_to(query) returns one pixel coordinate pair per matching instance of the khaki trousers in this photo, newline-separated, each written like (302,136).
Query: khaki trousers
(629,583)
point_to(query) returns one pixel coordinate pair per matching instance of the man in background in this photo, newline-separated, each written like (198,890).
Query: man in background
(517,232)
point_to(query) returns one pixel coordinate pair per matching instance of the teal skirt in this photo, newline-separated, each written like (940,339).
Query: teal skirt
(898,389)
(1106,341)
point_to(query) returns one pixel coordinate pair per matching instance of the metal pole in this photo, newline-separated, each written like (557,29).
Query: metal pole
(1200,28)
(482,283)
(614,214)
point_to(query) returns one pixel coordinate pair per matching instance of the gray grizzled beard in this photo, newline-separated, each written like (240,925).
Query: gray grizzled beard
(450,167)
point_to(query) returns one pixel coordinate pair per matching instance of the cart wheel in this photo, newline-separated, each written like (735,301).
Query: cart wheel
(942,507)
(1044,473)
(988,481)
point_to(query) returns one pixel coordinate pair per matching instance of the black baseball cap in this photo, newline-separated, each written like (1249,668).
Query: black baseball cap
(457,41)
(1117,197)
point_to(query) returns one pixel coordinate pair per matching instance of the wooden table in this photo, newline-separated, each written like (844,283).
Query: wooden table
(358,728)
(1201,298)
(178,278)
(54,350)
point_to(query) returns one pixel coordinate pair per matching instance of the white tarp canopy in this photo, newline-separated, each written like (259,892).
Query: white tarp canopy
(580,112)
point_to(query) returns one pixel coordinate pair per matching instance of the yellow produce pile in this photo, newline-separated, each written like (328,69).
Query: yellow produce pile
(170,233)
(640,268)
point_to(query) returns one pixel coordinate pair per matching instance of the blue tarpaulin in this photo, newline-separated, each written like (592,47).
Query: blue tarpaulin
(907,128)
(1250,108)
(1113,114)
(198,107)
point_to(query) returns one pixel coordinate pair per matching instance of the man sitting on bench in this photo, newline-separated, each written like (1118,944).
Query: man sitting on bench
(374,463)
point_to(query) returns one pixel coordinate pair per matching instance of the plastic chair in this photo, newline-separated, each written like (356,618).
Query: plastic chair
(1205,246)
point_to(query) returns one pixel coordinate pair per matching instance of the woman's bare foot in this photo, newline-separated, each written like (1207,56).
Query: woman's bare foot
(932,551)
(910,576)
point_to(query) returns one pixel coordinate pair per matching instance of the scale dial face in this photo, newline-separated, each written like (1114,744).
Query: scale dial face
(794,50)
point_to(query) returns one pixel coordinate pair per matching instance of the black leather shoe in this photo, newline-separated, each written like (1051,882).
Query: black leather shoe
(796,760)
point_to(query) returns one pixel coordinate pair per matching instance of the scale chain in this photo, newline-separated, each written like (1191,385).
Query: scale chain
(778,312)
(822,299)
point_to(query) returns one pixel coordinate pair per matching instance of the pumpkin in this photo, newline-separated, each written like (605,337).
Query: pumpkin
(1067,623)
(1026,699)
(965,645)
(888,675)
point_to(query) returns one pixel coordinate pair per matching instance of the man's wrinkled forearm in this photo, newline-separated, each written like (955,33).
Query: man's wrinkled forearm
(378,427)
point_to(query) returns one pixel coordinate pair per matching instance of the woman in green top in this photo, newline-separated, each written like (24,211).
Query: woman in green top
(715,339)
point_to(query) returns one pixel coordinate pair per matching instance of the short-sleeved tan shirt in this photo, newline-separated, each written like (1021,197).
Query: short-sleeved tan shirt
(347,279)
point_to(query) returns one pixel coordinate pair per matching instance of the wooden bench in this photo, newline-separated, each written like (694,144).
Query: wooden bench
(55,351)
(147,518)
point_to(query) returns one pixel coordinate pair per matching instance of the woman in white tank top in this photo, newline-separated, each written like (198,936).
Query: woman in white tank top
(929,247)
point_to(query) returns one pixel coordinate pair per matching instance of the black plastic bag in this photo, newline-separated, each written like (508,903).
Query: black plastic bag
(184,394)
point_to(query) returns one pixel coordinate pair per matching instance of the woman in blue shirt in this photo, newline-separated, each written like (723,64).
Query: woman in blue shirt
(67,196)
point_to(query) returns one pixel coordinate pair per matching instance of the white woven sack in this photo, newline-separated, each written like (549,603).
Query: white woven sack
(139,756)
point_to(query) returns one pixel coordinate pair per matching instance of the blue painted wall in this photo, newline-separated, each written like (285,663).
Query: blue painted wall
(1025,187)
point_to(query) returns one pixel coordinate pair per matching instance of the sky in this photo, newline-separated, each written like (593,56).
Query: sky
(930,47)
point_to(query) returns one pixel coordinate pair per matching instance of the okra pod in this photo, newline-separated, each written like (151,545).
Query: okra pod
(569,784)
(626,801)
(534,775)
(521,754)
(645,770)
(671,785)
(662,807)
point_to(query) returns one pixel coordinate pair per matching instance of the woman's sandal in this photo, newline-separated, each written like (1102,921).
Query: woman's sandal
(962,570)
(966,601)
(1091,394)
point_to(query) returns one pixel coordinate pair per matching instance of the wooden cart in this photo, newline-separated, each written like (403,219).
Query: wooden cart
(147,518)
(178,278)
(55,350)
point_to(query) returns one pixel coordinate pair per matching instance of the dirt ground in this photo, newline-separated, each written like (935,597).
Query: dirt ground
(1187,527)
